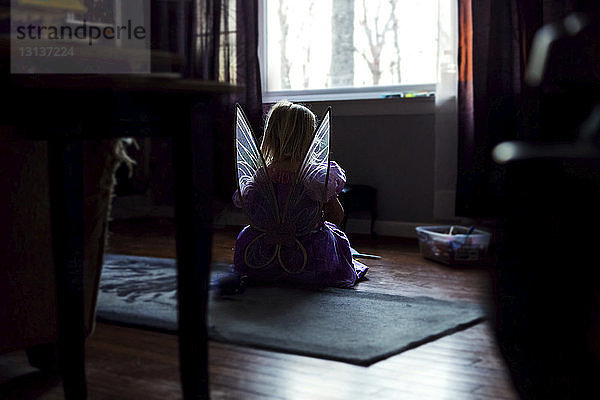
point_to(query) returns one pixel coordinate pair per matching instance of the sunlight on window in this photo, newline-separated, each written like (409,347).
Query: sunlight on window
(326,44)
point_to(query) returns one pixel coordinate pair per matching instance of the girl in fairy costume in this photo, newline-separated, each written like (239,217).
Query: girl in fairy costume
(289,191)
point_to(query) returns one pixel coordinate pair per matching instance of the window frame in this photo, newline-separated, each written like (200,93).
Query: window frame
(342,93)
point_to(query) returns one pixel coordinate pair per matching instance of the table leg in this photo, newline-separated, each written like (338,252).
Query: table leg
(193,159)
(66,202)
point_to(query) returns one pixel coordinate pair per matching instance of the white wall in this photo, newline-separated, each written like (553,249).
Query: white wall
(388,144)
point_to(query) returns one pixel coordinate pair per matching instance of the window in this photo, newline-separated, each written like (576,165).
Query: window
(101,14)
(97,12)
(348,48)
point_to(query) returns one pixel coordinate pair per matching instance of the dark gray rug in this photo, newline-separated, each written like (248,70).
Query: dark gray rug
(339,324)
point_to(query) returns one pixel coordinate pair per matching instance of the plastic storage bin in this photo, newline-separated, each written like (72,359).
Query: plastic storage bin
(453,244)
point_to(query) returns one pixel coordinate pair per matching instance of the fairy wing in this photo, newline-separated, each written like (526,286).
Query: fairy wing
(309,192)
(254,185)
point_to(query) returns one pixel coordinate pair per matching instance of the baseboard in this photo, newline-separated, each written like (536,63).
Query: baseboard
(384,228)
(236,217)
(139,206)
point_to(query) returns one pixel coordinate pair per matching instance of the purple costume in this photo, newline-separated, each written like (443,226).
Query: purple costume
(328,258)
(288,239)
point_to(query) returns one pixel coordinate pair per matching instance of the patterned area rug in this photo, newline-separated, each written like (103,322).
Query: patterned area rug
(339,324)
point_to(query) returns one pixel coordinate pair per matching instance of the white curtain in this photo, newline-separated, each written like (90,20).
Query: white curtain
(446,122)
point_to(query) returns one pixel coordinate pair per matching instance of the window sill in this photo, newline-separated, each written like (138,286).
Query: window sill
(368,106)
(323,95)
(384,100)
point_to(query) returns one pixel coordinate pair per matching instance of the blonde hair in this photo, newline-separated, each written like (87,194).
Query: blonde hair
(289,131)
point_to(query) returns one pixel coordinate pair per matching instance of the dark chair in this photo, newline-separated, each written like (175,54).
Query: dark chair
(358,198)
(546,283)
(28,316)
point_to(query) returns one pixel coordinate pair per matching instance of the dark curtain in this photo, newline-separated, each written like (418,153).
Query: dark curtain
(545,298)
(494,102)
(225,48)
(214,40)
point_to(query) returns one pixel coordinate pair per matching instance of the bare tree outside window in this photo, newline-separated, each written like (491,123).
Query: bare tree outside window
(395,66)
(376,32)
(285,62)
(307,47)
(328,44)
(342,43)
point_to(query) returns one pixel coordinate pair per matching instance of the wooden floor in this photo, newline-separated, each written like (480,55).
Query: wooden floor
(125,363)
